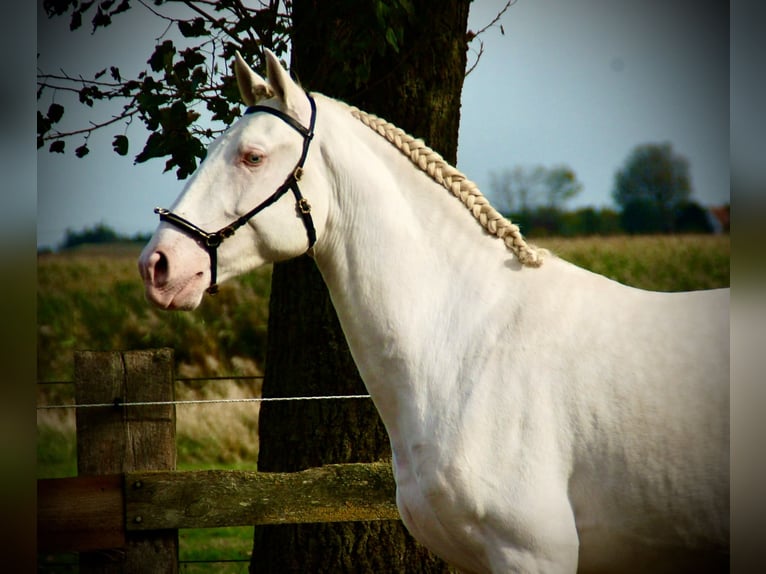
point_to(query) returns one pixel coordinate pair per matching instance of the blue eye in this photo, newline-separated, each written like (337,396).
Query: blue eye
(253,158)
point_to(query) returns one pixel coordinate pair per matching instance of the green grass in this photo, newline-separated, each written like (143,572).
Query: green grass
(209,544)
(56,452)
(656,262)
(93,299)
(90,299)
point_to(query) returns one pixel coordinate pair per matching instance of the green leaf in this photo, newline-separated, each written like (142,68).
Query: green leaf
(192,57)
(123,7)
(88,94)
(101,19)
(120,144)
(392,40)
(162,56)
(76,21)
(43,123)
(154,147)
(57,7)
(192,29)
(55,113)
(199,76)
(408,8)
(176,116)
(181,70)
(57,146)
(82,151)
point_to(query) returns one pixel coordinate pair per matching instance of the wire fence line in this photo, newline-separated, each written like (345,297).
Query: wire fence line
(186,382)
(119,403)
(177,379)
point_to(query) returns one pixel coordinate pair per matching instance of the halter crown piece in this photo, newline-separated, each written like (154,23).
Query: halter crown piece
(211,241)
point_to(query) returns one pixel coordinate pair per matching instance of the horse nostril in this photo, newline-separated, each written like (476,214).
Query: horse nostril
(158,263)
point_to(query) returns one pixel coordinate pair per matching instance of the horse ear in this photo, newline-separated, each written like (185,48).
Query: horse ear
(252,88)
(292,95)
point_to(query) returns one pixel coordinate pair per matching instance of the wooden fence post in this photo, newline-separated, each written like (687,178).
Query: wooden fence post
(119,439)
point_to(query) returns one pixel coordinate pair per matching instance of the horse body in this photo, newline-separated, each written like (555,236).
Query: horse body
(539,418)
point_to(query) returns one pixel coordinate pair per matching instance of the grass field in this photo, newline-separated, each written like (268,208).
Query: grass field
(660,263)
(92,298)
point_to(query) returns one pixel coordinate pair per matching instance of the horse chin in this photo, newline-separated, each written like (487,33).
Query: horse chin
(186,296)
(186,303)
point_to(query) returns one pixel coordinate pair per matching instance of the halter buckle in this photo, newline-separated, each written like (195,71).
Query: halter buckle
(298,173)
(304,206)
(214,239)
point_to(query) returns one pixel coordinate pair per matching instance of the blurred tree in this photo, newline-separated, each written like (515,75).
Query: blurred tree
(691,217)
(535,197)
(100,233)
(524,189)
(561,185)
(650,187)
(590,221)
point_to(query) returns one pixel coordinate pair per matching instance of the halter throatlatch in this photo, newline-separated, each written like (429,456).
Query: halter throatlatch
(211,241)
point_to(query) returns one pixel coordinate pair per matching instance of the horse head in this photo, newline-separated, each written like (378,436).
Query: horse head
(255,199)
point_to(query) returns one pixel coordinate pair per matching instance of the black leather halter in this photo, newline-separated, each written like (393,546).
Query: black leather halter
(211,241)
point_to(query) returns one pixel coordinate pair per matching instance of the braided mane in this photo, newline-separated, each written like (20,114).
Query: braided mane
(451,179)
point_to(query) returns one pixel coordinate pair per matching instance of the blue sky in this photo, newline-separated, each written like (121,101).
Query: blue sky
(575,82)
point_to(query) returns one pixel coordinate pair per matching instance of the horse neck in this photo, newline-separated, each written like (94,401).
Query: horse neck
(412,275)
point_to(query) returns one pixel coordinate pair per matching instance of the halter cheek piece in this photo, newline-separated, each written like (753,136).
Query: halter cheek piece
(211,241)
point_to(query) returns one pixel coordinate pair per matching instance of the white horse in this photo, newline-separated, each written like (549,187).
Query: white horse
(542,418)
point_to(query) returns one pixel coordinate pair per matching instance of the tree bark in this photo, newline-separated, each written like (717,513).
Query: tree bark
(340,48)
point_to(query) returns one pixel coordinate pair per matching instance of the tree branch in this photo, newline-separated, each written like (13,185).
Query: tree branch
(93,127)
(474,35)
(168,98)
(214,21)
(496,19)
(478,57)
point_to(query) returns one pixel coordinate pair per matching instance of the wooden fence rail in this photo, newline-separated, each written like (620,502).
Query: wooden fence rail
(129,499)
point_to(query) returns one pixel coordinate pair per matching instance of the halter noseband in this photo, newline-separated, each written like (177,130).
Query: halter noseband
(211,241)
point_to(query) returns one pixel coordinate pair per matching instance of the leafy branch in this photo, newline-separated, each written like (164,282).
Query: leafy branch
(186,96)
(183,98)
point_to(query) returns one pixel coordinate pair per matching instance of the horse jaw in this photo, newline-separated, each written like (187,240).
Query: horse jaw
(170,286)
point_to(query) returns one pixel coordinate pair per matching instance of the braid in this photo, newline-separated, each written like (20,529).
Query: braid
(467,191)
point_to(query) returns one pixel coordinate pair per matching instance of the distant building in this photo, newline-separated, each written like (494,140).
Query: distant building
(719,218)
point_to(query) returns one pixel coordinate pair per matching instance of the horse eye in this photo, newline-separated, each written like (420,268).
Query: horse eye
(253,158)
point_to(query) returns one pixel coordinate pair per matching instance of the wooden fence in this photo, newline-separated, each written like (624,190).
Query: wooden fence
(128,501)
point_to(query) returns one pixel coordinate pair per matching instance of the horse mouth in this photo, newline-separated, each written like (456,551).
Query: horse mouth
(184,295)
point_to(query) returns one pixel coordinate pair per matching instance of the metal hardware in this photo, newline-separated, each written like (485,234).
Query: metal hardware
(304,206)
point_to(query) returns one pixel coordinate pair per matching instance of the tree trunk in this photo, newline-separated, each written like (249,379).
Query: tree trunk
(341,48)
